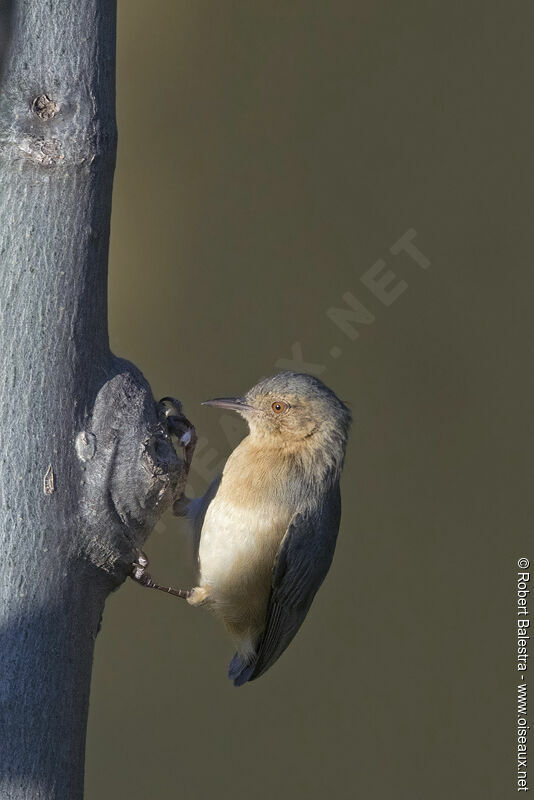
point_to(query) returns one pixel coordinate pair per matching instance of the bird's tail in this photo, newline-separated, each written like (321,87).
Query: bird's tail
(240,669)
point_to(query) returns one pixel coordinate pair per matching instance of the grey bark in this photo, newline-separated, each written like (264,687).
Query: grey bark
(86,462)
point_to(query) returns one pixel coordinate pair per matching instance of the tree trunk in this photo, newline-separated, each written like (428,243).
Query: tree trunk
(86,463)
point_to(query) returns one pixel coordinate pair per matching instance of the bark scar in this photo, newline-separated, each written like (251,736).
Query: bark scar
(44,107)
(129,469)
(49,481)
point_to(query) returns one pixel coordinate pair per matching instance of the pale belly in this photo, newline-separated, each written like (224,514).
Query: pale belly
(238,547)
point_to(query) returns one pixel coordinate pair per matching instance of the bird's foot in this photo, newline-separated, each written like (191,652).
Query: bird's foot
(140,575)
(179,426)
(198,596)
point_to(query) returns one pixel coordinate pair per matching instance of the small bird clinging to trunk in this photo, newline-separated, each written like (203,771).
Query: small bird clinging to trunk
(266,529)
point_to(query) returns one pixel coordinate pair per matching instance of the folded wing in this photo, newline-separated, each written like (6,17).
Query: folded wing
(302,563)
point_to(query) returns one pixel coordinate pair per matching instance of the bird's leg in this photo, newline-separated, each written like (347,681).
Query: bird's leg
(140,575)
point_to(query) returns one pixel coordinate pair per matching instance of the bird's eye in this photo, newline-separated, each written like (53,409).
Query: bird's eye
(279,406)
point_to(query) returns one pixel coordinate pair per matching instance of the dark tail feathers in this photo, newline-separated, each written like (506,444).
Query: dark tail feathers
(240,671)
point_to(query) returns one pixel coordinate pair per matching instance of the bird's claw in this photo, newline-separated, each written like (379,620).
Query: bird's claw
(179,426)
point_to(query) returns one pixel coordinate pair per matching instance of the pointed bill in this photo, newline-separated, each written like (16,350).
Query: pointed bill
(231,403)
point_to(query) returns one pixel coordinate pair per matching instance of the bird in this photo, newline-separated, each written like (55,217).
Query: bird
(265,531)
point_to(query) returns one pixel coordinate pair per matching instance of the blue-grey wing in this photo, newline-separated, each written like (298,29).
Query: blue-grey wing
(301,565)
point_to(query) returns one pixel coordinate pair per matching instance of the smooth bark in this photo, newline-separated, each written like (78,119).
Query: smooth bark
(86,463)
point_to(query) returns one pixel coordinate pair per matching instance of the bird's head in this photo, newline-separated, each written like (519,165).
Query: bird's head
(293,410)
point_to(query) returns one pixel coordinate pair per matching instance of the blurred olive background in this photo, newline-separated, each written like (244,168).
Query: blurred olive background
(269,154)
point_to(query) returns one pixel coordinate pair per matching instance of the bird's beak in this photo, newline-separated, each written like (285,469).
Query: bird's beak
(231,403)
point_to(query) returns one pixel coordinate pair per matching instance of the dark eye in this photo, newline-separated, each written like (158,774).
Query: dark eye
(279,406)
